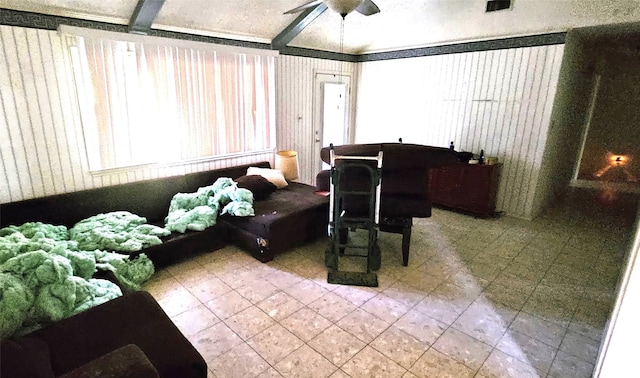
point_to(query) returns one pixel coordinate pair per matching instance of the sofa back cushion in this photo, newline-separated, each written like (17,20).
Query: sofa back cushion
(148,198)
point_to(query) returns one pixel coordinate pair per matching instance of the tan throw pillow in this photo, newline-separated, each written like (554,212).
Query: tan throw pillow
(273,175)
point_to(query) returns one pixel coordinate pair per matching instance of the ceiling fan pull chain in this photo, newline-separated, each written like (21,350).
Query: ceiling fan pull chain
(341,47)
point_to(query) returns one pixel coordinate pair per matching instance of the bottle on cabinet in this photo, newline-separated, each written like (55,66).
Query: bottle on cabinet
(451,146)
(481,157)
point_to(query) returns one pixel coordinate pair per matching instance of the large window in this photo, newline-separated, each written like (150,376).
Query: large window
(146,100)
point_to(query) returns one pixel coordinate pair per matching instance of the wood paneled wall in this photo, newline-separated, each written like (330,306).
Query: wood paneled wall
(41,143)
(499,101)
(295,107)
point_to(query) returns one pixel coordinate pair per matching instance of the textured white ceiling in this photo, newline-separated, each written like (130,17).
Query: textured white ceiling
(400,24)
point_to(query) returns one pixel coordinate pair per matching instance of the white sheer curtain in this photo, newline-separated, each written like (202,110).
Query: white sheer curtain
(149,102)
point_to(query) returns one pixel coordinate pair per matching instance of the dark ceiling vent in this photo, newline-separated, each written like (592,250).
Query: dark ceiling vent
(496,5)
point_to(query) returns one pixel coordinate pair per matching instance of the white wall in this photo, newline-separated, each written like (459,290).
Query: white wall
(618,353)
(499,101)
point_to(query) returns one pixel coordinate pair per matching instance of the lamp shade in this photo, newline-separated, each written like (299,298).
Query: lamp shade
(287,162)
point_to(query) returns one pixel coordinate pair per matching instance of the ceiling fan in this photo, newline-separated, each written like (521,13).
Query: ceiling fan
(343,7)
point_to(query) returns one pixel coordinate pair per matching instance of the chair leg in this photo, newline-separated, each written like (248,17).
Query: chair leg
(406,241)
(399,226)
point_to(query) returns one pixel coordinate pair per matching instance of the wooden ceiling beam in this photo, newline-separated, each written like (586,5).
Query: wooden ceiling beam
(143,16)
(301,22)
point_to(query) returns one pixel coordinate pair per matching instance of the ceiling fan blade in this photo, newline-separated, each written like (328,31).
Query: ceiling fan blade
(310,4)
(367,7)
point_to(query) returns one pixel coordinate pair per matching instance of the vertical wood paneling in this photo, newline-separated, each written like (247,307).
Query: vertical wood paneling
(294,107)
(41,143)
(498,100)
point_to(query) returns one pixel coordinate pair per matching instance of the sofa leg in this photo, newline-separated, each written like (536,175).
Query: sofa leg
(264,254)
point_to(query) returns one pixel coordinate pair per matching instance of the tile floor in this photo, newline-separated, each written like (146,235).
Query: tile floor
(480,298)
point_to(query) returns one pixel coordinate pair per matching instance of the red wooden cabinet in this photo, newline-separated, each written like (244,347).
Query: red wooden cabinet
(468,187)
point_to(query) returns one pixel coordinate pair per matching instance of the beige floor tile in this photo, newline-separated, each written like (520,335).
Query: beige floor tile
(228,305)
(282,279)
(208,288)
(501,365)
(269,373)
(280,305)
(506,295)
(161,286)
(238,277)
(339,374)
(399,346)
(463,348)
(249,322)
(484,321)
(332,306)
(228,261)
(506,247)
(357,295)
(337,345)
(527,349)
(308,268)
(257,290)
(191,276)
(241,361)
(305,362)
(421,326)
(441,308)
(306,323)
(214,341)
(363,325)
(371,363)
(566,365)
(473,273)
(422,281)
(531,272)
(178,301)
(385,308)
(305,291)
(539,329)
(483,271)
(177,268)
(434,364)
(195,320)
(404,294)
(592,330)
(580,346)
(275,343)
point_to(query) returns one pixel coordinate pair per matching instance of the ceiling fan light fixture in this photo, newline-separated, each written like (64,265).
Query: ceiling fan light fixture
(343,7)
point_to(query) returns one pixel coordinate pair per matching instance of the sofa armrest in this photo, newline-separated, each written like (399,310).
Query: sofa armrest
(127,361)
(134,318)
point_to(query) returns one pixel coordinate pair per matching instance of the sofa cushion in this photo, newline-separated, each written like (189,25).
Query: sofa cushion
(126,361)
(258,185)
(25,357)
(275,176)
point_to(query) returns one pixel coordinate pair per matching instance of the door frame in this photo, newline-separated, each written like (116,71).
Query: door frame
(320,77)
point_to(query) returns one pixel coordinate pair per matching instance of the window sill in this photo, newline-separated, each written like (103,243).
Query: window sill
(208,159)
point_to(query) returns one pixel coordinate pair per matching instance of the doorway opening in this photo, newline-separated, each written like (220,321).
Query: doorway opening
(331,111)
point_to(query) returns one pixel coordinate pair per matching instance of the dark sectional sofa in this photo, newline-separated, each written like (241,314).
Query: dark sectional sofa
(286,218)
(131,335)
